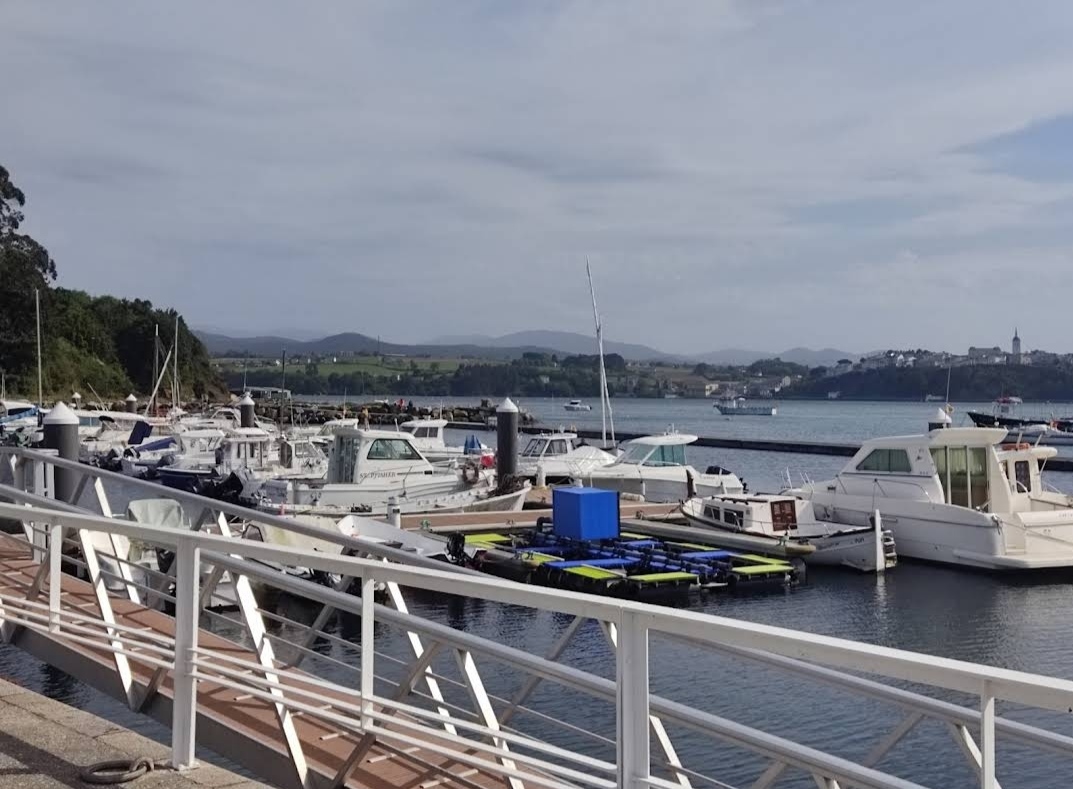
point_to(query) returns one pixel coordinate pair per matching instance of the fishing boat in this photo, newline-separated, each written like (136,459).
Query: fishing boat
(777,525)
(369,469)
(560,457)
(654,467)
(956,495)
(577,405)
(738,406)
(428,436)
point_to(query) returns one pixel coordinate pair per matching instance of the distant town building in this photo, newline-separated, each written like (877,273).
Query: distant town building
(993,355)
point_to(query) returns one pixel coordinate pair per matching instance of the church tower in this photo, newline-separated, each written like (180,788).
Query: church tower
(1016,348)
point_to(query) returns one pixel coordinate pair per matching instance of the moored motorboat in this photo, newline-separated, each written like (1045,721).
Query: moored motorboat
(956,495)
(777,525)
(655,468)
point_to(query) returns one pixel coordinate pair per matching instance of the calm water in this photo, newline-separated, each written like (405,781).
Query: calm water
(1016,623)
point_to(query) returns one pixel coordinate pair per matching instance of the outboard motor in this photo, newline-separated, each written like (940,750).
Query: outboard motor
(456,548)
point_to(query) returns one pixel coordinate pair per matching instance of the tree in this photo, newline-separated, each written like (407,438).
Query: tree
(25,266)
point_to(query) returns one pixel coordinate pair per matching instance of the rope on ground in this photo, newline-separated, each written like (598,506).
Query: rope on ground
(120,771)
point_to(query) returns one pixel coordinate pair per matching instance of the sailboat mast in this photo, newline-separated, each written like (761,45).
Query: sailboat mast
(605,399)
(156,365)
(40,378)
(175,370)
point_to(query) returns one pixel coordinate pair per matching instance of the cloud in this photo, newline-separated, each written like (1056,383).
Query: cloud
(734,169)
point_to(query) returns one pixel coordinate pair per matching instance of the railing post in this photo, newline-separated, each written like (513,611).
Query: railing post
(632,727)
(55,577)
(987,737)
(184,701)
(368,648)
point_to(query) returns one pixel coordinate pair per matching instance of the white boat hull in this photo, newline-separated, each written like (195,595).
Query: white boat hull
(838,546)
(957,535)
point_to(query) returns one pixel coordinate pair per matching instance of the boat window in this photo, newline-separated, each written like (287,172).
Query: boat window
(534,449)
(286,453)
(411,429)
(938,455)
(979,495)
(89,421)
(712,512)
(557,447)
(732,518)
(1023,476)
(888,461)
(957,460)
(392,449)
(668,455)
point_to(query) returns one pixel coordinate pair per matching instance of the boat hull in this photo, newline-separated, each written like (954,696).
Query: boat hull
(948,534)
(850,547)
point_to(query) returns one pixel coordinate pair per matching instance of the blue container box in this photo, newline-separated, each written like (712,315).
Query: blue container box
(585,513)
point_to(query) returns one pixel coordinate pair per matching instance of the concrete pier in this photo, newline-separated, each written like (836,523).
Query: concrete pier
(45,744)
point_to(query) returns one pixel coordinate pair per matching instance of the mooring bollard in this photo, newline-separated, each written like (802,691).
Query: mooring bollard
(506,440)
(61,434)
(247,417)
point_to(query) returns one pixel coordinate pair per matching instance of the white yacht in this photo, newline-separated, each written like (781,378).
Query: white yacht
(366,468)
(15,414)
(577,405)
(777,525)
(655,467)
(956,495)
(560,457)
(428,436)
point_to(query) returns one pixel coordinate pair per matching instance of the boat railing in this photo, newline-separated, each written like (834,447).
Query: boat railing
(880,485)
(532,712)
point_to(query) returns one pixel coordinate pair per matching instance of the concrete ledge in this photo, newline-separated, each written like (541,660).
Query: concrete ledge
(44,744)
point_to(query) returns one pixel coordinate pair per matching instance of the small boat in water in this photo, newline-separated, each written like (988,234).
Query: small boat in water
(777,525)
(738,406)
(655,468)
(577,405)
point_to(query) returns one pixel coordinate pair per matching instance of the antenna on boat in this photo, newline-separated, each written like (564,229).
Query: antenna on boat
(606,416)
(156,368)
(245,364)
(40,378)
(949,369)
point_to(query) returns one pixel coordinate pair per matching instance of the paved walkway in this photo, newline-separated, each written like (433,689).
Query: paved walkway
(44,744)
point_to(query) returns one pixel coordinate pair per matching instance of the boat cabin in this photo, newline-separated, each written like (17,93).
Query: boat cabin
(965,466)
(244,447)
(300,454)
(427,431)
(17,411)
(656,451)
(360,454)
(549,445)
(774,515)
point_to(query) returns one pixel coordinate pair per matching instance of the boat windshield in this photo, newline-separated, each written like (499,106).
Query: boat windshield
(534,449)
(635,454)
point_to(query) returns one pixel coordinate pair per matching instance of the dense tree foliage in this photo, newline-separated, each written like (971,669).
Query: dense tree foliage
(979,383)
(89,343)
(519,377)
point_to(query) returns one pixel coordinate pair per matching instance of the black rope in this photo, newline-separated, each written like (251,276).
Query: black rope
(120,771)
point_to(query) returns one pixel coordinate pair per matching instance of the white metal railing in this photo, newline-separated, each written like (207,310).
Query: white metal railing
(480,737)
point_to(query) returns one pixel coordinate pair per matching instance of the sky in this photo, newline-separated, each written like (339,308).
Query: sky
(756,173)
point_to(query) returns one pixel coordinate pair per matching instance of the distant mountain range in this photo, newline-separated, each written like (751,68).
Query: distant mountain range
(508,346)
